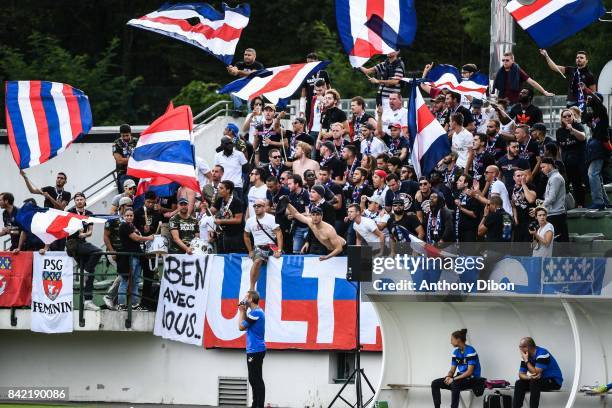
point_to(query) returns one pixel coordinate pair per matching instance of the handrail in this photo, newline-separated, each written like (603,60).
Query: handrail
(210,108)
(113,173)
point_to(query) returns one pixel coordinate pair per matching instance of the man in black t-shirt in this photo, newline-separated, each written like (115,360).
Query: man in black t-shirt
(496,145)
(492,225)
(242,69)
(228,212)
(528,147)
(55,197)
(308,86)
(277,207)
(467,210)
(360,117)
(511,162)
(8,219)
(523,198)
(524,112)
(453,105)
(332,114)
(331,161)
(575,76)
(317,199)
(298,134)
(122,150)
(401,224)
(268,134)
(400,190)
(85,253)
(300,199)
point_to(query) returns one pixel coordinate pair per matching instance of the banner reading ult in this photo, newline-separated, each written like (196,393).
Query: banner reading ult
(52,293)
(309,304)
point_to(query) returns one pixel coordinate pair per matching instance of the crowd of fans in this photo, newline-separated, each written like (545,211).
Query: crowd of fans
(332,178)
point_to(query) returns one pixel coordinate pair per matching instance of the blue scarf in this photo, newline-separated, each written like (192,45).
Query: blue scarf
(514,79)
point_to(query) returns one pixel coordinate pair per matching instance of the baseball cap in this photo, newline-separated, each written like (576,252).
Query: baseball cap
(270,106)
(316,210)
(129,183)
(183,200)
(381,173)
(232,128)
(398,201)
(376,199)
(125,201)
(224,142)
(395,125)
(320,190)
(539,126)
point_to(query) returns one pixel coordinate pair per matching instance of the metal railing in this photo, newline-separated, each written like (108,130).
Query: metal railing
(206,116)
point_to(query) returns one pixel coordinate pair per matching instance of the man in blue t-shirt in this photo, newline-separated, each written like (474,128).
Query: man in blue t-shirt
(253,322)
(538,372)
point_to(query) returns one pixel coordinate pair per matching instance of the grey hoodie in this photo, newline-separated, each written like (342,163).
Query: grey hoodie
(554,196)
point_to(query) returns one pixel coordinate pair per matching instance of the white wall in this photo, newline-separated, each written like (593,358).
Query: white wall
(142,368)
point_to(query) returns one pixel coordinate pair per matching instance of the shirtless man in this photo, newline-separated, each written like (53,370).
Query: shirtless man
(302,160)
(323,232)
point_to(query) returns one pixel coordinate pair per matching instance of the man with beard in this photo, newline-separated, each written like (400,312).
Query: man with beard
(232,161)
(523,197)
(85,253)
(322,237)
(359,187)
(331,161)
(449,169)
(302,161)
(439,227)
(511,162)
(577,75)
(244,68)
(371,145)
(366,230)
(334,194)
(400,190)
(349,156)
(524,112)
(332,114)
(495,145)
(421,199)
(401,225)
(528,148)
(228,218)
(359,118)
(453,106)
(491,226)
(481,159)
(466,212)
(147,220)
(269,135)
(183,229)
(209,191)
(122,150)
(462,140)
(275,166)
(309,87)
(299,198)
(493,187)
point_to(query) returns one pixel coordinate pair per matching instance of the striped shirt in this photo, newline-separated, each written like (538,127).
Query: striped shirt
(389,70)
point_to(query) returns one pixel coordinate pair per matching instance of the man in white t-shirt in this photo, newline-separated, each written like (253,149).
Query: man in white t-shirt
(395,114)
(265,232)
(462,140)
(257,190)
(493,186)
(370,144)
(366,229)
(203,171)
(232,161)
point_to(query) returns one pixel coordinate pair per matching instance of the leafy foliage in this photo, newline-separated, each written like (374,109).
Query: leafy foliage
(199,95)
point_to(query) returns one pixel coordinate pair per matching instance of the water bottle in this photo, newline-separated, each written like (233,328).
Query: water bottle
(507,231)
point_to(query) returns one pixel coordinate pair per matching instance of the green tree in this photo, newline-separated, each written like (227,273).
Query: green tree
(199,95)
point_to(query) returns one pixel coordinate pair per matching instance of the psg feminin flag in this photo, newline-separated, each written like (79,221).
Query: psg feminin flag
(43,118)
(165,149)
(49,224)
(443,76)
(549,22)
(199,24)
(428,139)
(372,27)
(274,83)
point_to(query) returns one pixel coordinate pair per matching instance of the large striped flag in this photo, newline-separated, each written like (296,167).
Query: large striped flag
(43,119)
(372,27)
(443,76)
(50,224)
(199,24)
(273,83)
(161,186)
(165,149)
(428,139)
(549,22)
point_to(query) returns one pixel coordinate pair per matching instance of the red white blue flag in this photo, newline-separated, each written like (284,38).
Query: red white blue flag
(199,24)
(274,83)
(443,76)
(49,224)
(549,22)
(165,149)
(428,139)
(372,27)
(43,118)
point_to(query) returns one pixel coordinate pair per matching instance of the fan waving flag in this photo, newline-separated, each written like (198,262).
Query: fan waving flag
(274,83)
(549,22)
(165,149)
(428,139)
(199,24)
(49,224)
(372,27)
(43,119)
(443,76)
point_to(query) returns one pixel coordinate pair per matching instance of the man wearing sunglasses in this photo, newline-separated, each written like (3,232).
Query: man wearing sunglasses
(510,78)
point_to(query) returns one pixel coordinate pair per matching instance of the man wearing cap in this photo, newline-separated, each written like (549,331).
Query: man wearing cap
(302,161)
(480,116)
(317,199)
(401,225)
(231,131)
(322,237)
(397,144)
(129,190)
(122,150)
(379,183)
(370,144)
(84,252)
(183,229)
(554,199)
(269,134)
(232,161)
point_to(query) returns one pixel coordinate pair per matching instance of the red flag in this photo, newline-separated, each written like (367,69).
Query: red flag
(15,279)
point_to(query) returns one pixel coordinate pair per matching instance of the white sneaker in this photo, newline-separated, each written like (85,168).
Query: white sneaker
(109,302)
(90,305)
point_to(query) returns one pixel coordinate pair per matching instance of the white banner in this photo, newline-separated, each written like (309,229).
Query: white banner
(182,298)
(52,280)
